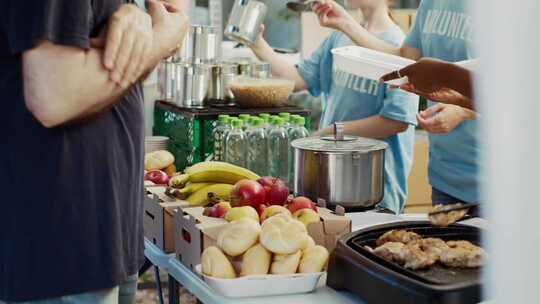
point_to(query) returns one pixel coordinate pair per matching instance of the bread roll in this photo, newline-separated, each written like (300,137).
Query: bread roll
(313,259)
(239,236)
(282,234)
(310,243)
(158,160)
(286,263)
(215,264)
(256,261)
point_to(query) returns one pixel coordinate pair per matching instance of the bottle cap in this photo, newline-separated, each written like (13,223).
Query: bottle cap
(285,115)
(224,118)
(300,121)
(278,121)
(264,116)
(244,116)
(237,123)
(258,122)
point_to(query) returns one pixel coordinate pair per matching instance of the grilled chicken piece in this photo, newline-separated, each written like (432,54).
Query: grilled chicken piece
(448,218)
(462,254)
(414,257)
(400,236)
(391,251)
(434,247)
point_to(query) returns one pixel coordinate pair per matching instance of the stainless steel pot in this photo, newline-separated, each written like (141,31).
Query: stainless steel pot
(246,18)
(201,45)
(343,170)
(220,77)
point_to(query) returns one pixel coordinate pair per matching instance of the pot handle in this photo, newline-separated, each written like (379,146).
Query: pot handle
(339,130)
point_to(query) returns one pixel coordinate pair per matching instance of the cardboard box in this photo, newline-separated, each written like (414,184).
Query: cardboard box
(196,232)
(158,217)
(332,226)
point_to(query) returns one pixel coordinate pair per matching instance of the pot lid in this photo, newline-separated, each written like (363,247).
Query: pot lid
(339,143)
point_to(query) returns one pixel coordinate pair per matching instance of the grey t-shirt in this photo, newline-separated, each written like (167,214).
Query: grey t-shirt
(71,196)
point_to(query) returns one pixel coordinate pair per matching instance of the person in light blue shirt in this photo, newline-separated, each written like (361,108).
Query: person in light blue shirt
(368,108)
(442,30)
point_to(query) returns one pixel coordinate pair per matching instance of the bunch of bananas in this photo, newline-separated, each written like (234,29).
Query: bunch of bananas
(207,182)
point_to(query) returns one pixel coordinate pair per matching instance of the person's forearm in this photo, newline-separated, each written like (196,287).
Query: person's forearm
(375,127)
(77,85)
(280,67)
(362,37)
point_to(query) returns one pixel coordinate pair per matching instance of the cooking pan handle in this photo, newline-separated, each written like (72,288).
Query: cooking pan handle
(339,130)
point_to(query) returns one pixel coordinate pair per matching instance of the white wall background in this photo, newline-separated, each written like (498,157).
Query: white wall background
(508,36)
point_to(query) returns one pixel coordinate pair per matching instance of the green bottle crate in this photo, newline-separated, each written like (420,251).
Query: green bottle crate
(191,130)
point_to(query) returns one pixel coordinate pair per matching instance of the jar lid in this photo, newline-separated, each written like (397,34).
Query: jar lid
(339,143)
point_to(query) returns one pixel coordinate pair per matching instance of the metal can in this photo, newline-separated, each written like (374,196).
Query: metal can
(166,79)
(220,77)
(261,70)
(201,45)
(246,18)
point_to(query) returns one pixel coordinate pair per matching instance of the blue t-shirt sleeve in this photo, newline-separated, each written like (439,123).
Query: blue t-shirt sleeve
(310,69)
(413,39)
(400,105)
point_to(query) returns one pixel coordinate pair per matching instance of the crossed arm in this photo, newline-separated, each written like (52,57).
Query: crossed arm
(64,84)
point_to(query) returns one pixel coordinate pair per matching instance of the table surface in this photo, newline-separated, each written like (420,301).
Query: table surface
(323,293)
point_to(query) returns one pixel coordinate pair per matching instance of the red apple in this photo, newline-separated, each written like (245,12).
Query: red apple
(157,177)
(301,203)
(219,210)
(247,193)
(276,191)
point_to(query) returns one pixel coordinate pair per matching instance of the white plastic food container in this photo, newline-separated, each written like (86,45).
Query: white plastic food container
(374,64)
(263,285)
(369,63)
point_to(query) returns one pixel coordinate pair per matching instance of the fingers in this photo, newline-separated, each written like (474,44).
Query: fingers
(156,9)
(432,110)
(134,63)
(433,125)
(128,43)
(114,38)
(390,76)
(262,29)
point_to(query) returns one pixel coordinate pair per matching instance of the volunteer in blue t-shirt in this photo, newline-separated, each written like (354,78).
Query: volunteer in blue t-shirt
(443,30)
(368,108)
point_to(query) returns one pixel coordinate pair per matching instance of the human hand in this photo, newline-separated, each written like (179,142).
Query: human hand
(443,118)
(127,40)
(332,15)
(433,79)
(259,43)
(170,26)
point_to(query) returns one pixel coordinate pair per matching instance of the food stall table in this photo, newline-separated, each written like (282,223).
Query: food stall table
(180,274)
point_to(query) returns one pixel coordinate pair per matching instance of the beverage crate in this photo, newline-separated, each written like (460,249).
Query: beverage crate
(191,130)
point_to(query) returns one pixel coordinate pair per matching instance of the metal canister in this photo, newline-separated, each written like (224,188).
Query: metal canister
(184,84)
(201,45)
(220,77)
(166,79)
(200,85)
(246,18)
(261,70)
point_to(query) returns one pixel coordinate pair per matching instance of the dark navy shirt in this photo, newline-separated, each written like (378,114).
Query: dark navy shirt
(71,196)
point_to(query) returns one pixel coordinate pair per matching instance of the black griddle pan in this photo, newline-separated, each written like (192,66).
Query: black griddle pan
(377,280)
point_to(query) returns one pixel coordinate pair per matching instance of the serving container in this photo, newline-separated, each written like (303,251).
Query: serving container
(261,70)
(250,92)
(263,285)
(343,170)
(221,75)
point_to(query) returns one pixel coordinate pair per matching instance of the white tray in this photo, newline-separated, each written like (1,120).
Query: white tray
(263,285)
(374,64)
